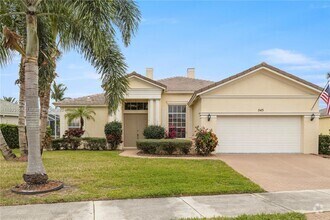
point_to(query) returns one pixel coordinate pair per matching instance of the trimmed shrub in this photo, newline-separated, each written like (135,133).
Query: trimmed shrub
(205,141)
(10,133)
(92,143)
(58,144)
(164,146)
(324,144)
(113,133)
(73,132)
(154,132)
(89,143)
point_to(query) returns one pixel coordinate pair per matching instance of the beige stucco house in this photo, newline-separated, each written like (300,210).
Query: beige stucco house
(260,110)
(324,122)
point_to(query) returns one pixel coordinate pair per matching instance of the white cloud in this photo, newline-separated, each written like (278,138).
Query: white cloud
(294,60)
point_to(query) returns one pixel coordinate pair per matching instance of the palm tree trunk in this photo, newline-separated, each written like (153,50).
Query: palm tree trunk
(5,150)
(21,116)
(35,173)
(81,123)
(44,114)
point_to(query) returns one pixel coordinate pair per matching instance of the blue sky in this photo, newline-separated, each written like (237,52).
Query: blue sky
(218,38)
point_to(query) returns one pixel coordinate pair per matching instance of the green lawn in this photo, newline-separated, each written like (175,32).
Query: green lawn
(286,216)
(106,175)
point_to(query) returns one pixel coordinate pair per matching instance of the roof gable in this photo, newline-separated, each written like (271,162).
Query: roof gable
(273,70)
(146,80)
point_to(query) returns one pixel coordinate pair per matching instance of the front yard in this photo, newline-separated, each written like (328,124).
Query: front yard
(97,175)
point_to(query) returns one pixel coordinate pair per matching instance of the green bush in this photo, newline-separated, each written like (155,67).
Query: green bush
(205,141)
(95,143)
(324,144)
(164,146)
(154,132)
(113,133)
(10,133)
(90,143)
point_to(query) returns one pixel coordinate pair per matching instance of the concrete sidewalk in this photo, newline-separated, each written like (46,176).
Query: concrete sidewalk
(176,207)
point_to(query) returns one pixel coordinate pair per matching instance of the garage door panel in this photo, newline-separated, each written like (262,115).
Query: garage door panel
(258,134)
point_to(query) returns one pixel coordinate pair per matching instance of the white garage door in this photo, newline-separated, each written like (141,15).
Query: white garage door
(258,134)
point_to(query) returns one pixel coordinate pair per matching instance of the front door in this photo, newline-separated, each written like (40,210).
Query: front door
(134,125)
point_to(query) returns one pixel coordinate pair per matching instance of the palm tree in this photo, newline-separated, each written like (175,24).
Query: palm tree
(5,150)
(58,91)
(10,99)
(86,26)
(81,113)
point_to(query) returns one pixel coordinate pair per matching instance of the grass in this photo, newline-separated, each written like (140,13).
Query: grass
(286,216)
(97,175)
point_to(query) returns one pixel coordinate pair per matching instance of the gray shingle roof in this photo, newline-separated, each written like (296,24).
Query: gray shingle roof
(184,84)
(97,99)
(8,108)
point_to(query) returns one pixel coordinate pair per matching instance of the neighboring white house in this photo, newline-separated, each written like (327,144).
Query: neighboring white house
(8,112)
(260,110)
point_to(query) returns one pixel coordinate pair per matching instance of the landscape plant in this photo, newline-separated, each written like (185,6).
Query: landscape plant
(10,134)
(113,133)
(205,141)
(324,144)
(154,132)
(80,113)
(164,146)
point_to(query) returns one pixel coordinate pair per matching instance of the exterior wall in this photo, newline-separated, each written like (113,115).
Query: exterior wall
(92,128)
(9,120)
(325,125)
(263,94)
(196,119)
(179,99)
(310,135)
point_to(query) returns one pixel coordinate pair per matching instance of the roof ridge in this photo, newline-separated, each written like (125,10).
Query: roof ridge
(173,77)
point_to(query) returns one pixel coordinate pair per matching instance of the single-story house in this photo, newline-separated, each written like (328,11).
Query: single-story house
(260,110)
(324,122)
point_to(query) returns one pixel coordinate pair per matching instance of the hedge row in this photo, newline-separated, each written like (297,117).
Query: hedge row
(324,144)
(10,133)
(87,143)
(164,146)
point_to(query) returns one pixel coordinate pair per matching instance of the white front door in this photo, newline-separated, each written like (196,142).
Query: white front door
(259,134)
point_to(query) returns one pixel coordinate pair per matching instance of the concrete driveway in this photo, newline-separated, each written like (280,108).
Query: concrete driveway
(282,172)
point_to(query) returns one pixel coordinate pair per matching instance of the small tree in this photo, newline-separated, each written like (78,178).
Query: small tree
(113,132)
(81,113)
(205,141)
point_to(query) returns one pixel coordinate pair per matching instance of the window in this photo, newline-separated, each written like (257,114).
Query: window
(177,120)
(136,106)
(75,123)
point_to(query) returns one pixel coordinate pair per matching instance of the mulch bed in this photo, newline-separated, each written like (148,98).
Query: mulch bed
(27,189)
(174,155)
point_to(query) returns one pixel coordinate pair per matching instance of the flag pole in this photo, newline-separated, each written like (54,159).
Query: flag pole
(322,91)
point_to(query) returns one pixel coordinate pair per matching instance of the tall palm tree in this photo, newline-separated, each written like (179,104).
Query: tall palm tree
(10,99)
(86,26)
(58,91)
(81,113)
